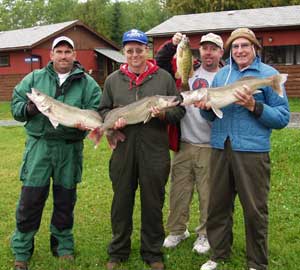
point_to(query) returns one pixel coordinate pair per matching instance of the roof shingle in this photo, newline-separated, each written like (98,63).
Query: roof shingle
(272,17)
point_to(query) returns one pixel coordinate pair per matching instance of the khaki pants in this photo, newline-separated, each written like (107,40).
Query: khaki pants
(246,174)
(190,168)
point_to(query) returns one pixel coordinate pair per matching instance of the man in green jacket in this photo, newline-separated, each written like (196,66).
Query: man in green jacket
(51,153)
(143,159)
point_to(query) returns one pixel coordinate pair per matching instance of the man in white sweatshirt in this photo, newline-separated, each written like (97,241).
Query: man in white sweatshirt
(190,167)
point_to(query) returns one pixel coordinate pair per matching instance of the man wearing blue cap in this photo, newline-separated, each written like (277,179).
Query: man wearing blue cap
(143,158)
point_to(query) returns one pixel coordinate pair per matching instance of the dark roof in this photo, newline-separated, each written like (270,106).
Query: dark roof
(259,18)
(28,38)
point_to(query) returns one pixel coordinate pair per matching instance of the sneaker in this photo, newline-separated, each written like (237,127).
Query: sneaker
(173,240)
(201,245)
(20,265)
(209,265)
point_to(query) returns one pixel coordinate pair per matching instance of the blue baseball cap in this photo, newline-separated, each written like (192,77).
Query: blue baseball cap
(135,36)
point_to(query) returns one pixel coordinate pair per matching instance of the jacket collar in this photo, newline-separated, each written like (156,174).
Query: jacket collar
(151,68)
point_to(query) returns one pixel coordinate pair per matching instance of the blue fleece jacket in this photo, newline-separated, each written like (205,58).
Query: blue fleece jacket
(246,132)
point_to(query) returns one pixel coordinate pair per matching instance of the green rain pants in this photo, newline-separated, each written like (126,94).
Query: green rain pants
(43,159)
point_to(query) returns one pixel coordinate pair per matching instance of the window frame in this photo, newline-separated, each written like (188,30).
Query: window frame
(3,55)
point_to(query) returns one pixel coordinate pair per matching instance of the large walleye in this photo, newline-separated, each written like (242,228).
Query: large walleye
(64,114)
(220,97)
(184,62)
(136,112)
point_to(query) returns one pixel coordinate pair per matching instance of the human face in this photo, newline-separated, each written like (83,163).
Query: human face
(210,55)
(63,58)
(136,56)
(243,52)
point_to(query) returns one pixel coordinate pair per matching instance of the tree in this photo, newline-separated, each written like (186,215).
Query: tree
(116,33)
(202,6)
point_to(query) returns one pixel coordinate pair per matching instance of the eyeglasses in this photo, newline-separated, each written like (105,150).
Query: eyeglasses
(243,46)
(136,50)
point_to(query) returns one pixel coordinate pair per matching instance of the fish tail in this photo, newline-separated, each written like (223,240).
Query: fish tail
(278,81)
(113,137)
(95,136)
(185,86)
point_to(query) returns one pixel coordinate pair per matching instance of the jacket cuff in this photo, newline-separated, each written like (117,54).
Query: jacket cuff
(258,109)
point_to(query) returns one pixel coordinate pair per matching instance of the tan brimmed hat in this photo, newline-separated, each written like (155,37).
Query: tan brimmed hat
(213,38)
(241,33)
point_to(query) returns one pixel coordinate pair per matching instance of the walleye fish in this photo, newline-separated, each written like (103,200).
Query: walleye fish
(64,114)
(184,62)
(136,112)
(220,97)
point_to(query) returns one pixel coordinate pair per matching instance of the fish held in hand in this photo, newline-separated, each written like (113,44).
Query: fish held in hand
(64,114)
(136,112)
(220,97)
(184,62)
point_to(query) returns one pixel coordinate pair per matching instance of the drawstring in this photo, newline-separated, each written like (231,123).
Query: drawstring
(230,67)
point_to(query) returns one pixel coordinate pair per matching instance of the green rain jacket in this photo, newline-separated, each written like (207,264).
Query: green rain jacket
(79,90)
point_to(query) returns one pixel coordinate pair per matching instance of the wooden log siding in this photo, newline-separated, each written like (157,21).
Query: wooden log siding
(7,84)
(292,85)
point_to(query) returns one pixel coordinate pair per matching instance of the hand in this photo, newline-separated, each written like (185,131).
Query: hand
(245,98)
(203,104)
(155,112)
(80,126)
(176,38)
(31,109)
(120,123)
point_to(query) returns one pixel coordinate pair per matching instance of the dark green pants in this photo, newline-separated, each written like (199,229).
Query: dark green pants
(44,159)
(246,174)
(135,163)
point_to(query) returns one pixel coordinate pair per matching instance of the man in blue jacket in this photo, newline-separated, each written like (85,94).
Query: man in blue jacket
(240,156)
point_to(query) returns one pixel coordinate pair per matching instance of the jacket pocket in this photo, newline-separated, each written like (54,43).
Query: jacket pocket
(30,143)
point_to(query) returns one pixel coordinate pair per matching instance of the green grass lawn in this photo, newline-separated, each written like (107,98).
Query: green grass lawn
(5,111)
(294,104)
(92,215)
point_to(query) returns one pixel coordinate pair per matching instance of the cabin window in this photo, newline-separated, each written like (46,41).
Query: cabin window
(4,60)
(282,55)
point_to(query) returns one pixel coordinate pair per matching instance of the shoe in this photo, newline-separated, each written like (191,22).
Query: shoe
(252,269)
(113,265)
(173,240)
(209,265)
(20,265)
(201,245)
(67,257)
(157,266)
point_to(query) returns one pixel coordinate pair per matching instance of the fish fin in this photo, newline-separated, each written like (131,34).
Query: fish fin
(278,81)
(148,118)
(113,137)
(217,111)
(53,122)
(177,75)
(191,74)
(95,136)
